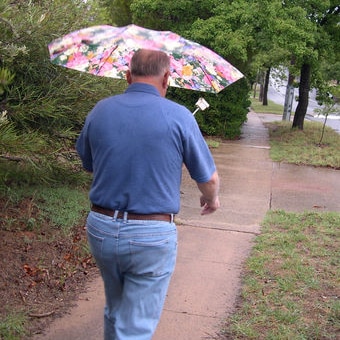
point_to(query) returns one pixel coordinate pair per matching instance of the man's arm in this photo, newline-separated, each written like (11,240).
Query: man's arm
(209,199)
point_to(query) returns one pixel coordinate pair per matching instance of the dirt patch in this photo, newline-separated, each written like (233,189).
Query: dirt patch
(42,271)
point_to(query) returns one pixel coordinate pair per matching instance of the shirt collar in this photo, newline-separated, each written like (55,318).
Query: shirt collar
(142,87)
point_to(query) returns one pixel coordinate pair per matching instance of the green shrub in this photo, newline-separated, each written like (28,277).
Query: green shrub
(227,112)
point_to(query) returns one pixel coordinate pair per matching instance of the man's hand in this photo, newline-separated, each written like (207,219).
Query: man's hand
(209,206)
(209,199)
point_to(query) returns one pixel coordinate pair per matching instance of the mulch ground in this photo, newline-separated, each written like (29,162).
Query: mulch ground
(42,271)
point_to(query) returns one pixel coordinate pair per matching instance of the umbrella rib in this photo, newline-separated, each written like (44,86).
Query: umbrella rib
(102,64)
(207,76)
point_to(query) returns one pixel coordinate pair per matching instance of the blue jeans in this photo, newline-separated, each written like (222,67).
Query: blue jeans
(136,259)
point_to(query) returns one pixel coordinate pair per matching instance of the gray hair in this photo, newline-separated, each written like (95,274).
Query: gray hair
(146,63)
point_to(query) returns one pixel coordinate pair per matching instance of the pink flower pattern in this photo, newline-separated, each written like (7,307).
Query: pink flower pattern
(106,51)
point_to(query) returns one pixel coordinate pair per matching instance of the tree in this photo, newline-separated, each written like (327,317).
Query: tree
(304,89)
(270,33)
(245,32)
(118,11)
(318,20)
(39,95)
(43,104)
(266,85)
(170,15)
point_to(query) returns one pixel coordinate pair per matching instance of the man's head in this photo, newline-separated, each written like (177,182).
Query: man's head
(151,67)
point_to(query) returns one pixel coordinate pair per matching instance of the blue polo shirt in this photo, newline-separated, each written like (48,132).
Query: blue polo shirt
(135,144)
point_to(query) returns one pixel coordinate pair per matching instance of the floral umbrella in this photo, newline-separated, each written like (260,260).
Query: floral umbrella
(106,51)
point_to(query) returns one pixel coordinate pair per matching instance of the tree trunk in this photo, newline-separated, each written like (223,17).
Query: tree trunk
(261,80)
(265,89)
(289,96)
(254,88)
(304,88)
(261,93)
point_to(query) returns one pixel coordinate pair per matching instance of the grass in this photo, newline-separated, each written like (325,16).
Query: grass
(212,143)
(13,326)
(303,147)
(310,146)
(291,280)
(272,107)
(62,206)
(69,211)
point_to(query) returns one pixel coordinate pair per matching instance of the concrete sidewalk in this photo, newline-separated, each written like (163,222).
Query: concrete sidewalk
(212,248)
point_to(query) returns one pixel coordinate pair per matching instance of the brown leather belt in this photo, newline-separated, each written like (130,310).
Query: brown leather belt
(131,216)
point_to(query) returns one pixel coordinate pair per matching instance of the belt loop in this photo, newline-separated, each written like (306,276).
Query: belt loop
(115,215)
(125,216)
(172,216)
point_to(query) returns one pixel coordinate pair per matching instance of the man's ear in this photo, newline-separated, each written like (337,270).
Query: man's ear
(165,81)
(128,77)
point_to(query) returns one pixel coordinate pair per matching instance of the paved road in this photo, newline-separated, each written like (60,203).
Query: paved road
(277,91)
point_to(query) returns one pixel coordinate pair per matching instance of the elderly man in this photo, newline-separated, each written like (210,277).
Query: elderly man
(135,144)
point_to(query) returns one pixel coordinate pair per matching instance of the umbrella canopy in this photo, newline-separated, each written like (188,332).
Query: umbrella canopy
(106,51)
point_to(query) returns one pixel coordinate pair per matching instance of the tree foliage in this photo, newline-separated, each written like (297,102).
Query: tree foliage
(314,21)
(42,101)
(118,11)
(269,33)
(170,15)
